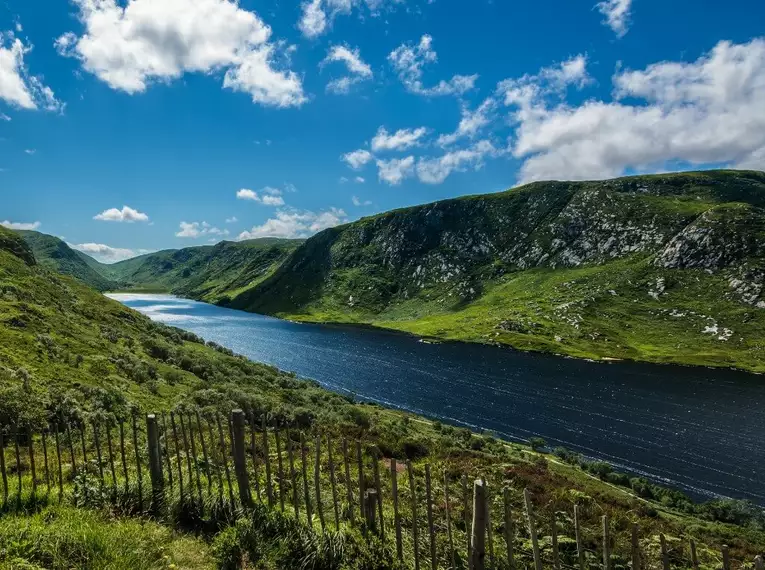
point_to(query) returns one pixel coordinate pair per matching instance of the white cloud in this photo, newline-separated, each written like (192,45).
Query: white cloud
(471,123)
(436,170)
(199,229)
(358,202)
(296,224)
(105,253)
(705,112)
(232,220)
(17,86)
(394,171)
(126,214)
(4,117)
(30,151)
(400,140)
(358,158)
(317,15)
(20,225)
(359,180)
(130,46)
(617,14)
(359,70)
(408,61)
(268,196)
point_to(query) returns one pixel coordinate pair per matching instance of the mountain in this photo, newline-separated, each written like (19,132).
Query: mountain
(665,268)
(214,274)
(55,254)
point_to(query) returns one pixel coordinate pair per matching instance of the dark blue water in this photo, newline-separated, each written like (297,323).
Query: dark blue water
(697,429)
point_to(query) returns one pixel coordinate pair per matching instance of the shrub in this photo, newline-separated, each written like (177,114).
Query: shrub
(537,443)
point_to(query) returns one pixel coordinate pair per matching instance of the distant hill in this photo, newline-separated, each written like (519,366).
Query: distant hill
(55,254)
(215,274)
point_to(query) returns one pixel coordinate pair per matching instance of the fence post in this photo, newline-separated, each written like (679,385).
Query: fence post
(396,515)
(346,464)
(122,453)
(177,454)
(466,517)
(362,489)
(280,466)
(636,549)
(554,540)
(58,462)
(431,526)
(317,481)
(155,464)
(47,468)
(2,468)
(291,457)
(195,462)
(370,510)
(254,457)
(218,471)
(267,457)
(31,448)
(110,448)
(489,535)
(532,529)
(378,486)
(96,440)
(333,482)
(449,535)
(18,466)
(168,460)
(664,553)
(478,551)
(758,563)
(306,492)
(137,462)
(415,530)
(725,557)
(224,457)
(606,543)
(240,463)
(200,429)
(509,529)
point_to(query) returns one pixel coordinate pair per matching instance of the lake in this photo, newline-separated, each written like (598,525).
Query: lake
(697,429)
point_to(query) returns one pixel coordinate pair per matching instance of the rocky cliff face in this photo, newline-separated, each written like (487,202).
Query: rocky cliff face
(710,220)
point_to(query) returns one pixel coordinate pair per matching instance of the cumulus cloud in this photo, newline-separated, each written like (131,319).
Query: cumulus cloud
(199,229)
(132,45)
(617,15)
(232,220)
(268,196)
(359,180)
(17,86)
(20,225)
(437,170)
(105,253)
(359,202)
(394,171)
(4,117)
(708,111)
(358,70)
(317,15)
(126,214)
(400,140)
(408,61)
(471,123)
(358,158)
(296,224)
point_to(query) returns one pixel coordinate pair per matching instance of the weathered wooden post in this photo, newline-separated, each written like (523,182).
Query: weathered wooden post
(370,510)
(694,555)
(58,463)
(177,454)
(317,481)
(415,530)
(200,429)
(449,536)
(84,460)
(96,440)
(254,454)
(664,552)
(349,490)
(478,541)
(224,457)
(759,564)
(489,530)
(138,467)
(293,479)
(532,529)
(194,460)
(110,448)
(31,449)
(378,486)
(606,543)
(509,528)
(431,525)
(240,462)
(360,460)
(45,458)
(333,482)
(725,557)
(2,468)
(267,456)
(396,514)
(18,466)
(185,439)
(306,492)
(166,437)
(155,464)
(280,466)
(554,541)
(218,471)
(122,453)
(636,563)
(466,516)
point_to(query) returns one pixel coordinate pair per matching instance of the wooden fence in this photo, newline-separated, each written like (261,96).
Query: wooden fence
(429,520)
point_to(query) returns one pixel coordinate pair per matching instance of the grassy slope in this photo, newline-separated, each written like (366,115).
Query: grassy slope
(53,253)
(210,273)
(472,269)
(126,360)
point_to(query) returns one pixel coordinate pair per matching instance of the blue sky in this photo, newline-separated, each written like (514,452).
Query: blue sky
(134,125)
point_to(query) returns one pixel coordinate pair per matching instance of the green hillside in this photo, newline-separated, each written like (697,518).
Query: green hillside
(55,254)
(666,268)
(210,273)
(67,351)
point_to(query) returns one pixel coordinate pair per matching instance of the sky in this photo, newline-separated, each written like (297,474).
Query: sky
(129,126)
